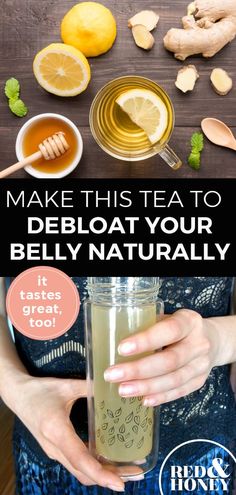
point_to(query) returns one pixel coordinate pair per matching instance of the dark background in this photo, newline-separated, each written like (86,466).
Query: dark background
(26,26)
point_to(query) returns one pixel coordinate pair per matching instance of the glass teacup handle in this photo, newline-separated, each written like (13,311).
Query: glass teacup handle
(170,157)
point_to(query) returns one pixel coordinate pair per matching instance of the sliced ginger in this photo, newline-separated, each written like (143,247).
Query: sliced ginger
(221,82)
(146,18)
(186,79)
(142,37)
(207,32)
(191,8)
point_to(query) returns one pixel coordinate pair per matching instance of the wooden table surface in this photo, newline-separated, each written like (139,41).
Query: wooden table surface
(26,26)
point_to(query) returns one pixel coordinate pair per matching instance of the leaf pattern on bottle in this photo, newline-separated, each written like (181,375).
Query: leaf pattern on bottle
(129,444)
(122,428)
(111,441)
(110,413)
(140,443)
(144,423)
(137,420)
(115,425)
(129,418)
(121,438)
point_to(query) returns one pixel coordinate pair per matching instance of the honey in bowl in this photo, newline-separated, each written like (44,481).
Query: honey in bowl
(42,129)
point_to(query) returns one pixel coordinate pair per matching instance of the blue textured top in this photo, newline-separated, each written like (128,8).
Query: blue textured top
(208,413)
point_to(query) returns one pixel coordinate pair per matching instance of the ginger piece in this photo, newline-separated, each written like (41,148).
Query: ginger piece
(142,37)
(146,18)
(191,9)
(221,82)
(213,27)
(186,79)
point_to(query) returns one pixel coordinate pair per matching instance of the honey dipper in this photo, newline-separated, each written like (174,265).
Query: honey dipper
(51,148)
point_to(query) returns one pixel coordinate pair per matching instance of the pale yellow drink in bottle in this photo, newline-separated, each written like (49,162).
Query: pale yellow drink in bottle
(123,427)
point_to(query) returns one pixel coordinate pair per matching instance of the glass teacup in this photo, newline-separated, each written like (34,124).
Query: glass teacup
(117,135)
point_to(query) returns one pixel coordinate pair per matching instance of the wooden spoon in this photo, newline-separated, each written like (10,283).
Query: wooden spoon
(51,148)
(218,133)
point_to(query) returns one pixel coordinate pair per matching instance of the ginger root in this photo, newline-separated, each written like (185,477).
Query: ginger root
(146,18)
(211,28)
(191,9)
(221,82)
(142,37)
(186,79)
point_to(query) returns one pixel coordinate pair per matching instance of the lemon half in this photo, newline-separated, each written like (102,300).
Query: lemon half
(146,110)
(62,70)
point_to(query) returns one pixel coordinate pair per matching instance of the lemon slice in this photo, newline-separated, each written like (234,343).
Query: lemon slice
(62,70)
(146,110)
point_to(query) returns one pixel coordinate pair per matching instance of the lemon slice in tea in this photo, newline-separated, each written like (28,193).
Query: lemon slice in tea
(62,70)
(146,110)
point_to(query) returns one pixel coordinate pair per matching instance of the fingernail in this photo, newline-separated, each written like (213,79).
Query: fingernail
(116,488)
(127,390)
(150,402)
(113,374)
(127,348)
(137,478)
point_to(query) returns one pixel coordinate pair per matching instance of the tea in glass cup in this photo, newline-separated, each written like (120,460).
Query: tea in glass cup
(118,135)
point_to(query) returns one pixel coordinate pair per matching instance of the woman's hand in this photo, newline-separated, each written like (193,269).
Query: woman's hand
(44,406)
(185,348)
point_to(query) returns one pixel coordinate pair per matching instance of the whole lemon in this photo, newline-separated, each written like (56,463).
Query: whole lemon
(89,27)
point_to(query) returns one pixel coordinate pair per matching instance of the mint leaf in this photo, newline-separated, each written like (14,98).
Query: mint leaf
(18,107)
(194,160)
(197,141)
(12,88)
(12,92)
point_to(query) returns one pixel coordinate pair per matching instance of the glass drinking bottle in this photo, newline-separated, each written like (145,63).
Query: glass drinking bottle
(122,432)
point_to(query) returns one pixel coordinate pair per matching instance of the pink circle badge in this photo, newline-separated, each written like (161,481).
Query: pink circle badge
(43,303)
